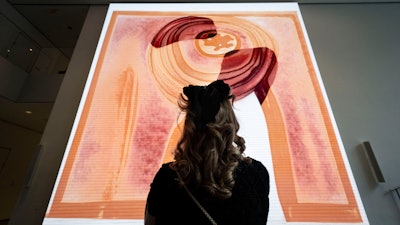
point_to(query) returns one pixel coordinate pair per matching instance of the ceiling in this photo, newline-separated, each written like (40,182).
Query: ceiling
(58,23)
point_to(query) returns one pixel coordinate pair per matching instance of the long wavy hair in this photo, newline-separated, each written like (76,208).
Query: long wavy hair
(207,157)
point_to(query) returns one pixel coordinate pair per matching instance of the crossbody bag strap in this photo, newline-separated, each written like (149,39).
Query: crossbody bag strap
(195,201)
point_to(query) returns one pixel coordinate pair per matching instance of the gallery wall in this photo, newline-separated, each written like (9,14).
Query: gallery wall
(32,204)
(357,52)
(12,149)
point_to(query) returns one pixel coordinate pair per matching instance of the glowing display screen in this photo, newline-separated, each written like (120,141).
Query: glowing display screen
(128,122)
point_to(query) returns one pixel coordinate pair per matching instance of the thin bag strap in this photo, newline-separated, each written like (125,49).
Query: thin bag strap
(195,200)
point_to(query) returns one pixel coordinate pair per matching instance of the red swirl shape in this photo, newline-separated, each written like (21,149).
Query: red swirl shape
(245,70)
(185,28)
(248,70)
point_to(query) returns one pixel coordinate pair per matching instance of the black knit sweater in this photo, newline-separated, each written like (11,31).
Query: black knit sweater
(248,205)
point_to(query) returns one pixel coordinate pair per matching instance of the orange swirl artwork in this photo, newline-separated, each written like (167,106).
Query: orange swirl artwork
(130,122)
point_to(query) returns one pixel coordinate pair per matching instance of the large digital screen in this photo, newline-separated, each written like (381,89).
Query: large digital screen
(128,121)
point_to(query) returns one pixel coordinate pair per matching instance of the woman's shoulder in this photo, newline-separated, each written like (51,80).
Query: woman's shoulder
(164,173)
(167,166)
(252,169)
(252,177)
(258,165)
(252,164)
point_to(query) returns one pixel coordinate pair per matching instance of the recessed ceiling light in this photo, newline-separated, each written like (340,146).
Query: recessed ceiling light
(28,112)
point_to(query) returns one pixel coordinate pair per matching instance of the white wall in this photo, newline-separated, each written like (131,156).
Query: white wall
(357,50)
